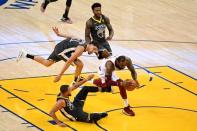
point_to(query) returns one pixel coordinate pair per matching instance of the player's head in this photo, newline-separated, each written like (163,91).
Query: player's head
(120,62)
(92,48)
(64,89)
(96,8)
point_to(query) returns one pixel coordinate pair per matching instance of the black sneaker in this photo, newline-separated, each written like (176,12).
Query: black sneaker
(104,114)
(66,20)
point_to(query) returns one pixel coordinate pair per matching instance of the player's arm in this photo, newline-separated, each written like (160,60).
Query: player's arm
(59,105)
(77,84)
(87,31)
(78,52)
(57,32)
(109,68)
(109,27)
(131,68)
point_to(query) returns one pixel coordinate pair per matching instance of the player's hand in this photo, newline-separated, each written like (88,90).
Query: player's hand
(109,38)
(56,30)
(90,77)
(61,124)
(137,83)
(57,78)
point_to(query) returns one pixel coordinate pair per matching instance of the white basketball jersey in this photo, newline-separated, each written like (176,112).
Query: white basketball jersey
(102,69)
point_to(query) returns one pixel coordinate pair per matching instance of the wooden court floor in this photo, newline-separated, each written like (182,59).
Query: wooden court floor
(150,32)
(167,103)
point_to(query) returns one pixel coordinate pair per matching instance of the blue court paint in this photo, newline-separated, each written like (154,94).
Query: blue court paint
(2,2)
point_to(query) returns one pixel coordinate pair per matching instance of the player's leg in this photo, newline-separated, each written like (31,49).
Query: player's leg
(123,94)
(79,67)
(82,95)
(65,17)
(104,86)
(80,100)
(39,59)
(97,116)
(45,4)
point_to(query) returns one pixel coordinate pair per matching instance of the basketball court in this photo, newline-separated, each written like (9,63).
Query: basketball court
(159,35)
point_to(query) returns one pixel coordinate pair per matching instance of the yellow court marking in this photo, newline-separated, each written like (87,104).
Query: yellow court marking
(160,105)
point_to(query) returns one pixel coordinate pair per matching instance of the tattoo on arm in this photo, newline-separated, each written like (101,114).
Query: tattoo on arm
(132,69)
(87,31)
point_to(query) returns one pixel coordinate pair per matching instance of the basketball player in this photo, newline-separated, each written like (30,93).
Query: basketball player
(108,78)
(95,28)
(67,50)
(74,110)
(65,17)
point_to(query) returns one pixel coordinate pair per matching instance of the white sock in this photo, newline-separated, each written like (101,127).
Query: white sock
(126,103)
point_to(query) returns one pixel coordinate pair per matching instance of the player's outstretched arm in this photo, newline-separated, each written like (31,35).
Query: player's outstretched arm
(59,105)
(78,52)
(109,27)
(78,84)
(57,32)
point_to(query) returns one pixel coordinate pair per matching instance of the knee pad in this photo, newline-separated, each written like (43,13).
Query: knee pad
(68,3)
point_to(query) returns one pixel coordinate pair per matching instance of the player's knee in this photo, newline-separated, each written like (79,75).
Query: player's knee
(68,3)
(97,81)
(48,63)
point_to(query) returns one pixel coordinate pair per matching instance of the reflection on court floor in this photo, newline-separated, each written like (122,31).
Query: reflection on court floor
(160,105)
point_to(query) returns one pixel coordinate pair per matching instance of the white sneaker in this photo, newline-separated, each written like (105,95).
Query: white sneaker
(22,54)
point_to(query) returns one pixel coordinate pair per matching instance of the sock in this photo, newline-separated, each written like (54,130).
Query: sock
(30,56)
(126,103)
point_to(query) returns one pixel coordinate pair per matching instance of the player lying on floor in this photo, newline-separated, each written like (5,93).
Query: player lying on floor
(74,110)
(108,78)
(67,50)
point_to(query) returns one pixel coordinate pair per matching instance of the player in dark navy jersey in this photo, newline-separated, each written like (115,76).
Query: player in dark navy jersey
(74,110)
(65,17)
(67,50)
(95,29)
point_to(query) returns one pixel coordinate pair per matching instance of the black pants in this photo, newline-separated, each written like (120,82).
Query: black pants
(79,103)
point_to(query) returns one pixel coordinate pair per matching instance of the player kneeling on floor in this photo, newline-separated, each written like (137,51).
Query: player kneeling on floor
(74,110)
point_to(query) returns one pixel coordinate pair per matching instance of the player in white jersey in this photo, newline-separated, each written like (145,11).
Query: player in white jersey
(108,78)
